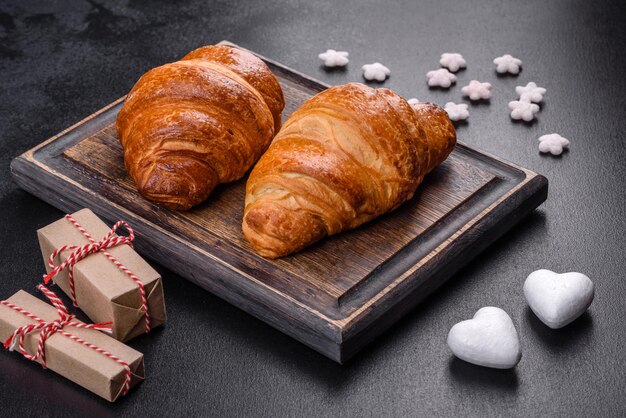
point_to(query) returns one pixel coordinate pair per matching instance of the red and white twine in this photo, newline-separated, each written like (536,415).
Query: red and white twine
(80,252)
(47,329)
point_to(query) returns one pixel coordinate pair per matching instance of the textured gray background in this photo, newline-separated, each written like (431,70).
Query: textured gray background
(61,61)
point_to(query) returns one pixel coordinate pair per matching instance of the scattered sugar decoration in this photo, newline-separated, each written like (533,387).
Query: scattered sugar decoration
(530,92)
(558,299)
(440,78)
(523,110)
(452,61)
(334,58)
(507,64)
(488,339)
(553,143)
(413,101)
(476,90)
(456,112)
(375,71)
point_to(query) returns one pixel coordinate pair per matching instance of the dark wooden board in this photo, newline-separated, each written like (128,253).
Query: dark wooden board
(335,296)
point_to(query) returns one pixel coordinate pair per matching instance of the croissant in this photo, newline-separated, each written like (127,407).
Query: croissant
(190,125)
(346,156)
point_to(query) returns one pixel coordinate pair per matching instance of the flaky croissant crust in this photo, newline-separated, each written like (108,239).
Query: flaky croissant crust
(204,120)
(348,155)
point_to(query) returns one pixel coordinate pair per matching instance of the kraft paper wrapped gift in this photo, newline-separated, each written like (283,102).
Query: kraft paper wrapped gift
(74,360)
(104,291)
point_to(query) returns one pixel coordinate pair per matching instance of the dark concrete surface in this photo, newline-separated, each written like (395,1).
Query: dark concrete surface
(63,60)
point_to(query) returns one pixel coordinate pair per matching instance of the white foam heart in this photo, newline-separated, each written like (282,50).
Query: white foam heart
(489,339)
(558,299)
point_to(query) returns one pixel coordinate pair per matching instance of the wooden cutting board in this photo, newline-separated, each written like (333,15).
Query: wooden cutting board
(335,296)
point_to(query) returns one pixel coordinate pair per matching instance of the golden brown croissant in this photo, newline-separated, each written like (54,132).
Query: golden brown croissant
(204,120)
(348,155)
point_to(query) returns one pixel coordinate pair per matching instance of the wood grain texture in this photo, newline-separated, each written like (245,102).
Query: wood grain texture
(347,258)
(335,296)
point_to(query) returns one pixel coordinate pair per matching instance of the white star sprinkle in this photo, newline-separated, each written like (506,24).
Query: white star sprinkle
(507,64)
(456,112)
(530,92)
(334,58)
(375,71)
(413,101)
(476,90)
(452,61)
(523,110)
(553,143)
(440,78)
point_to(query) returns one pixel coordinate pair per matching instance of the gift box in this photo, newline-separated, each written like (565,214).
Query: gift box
(102,273)
(77,351)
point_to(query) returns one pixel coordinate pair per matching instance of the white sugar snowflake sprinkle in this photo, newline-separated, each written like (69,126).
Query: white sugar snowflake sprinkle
(452,61)
(440,78)
(553,143)
(456,112)
(507,64)
(523,110)
(530,92)
(375,71)
(334,58)
(413,101)
(476,90)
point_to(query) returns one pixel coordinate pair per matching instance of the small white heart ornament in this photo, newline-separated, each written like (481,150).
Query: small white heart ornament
(488,339)
(558,299)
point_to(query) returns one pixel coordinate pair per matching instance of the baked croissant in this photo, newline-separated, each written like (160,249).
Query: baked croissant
(348,155)
(204,120)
